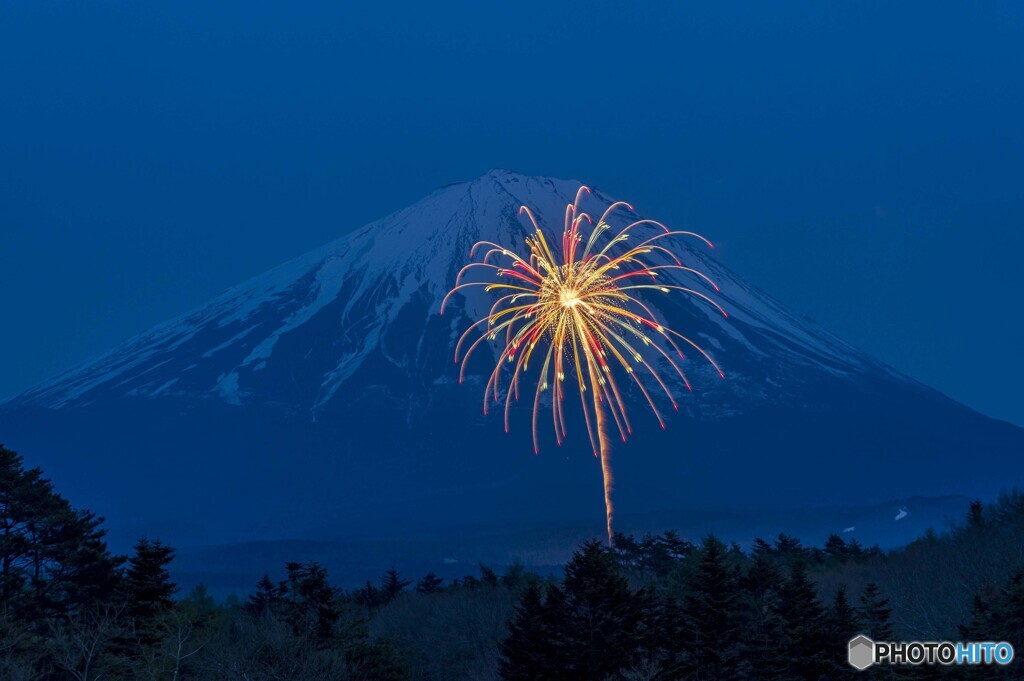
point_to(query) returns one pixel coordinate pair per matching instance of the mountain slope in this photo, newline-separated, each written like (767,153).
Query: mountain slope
(321,397)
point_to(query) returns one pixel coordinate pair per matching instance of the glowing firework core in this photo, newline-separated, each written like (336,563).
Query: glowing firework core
(569,297)
(581,307)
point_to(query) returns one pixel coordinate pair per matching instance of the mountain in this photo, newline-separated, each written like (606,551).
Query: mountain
(320,399)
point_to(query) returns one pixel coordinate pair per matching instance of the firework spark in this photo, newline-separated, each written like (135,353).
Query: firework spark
(575,312)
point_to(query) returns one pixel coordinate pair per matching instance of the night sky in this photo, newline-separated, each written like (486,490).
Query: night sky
(864,162)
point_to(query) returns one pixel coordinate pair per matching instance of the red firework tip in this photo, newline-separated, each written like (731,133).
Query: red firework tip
(725,314)
(663,426)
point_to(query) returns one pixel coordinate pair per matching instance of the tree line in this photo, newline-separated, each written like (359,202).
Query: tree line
(657,607)
(70,609)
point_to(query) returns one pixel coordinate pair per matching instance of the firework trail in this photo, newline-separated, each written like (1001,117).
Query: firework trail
(573,310)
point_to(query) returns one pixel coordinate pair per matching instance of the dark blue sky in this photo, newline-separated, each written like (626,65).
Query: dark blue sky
(864,162)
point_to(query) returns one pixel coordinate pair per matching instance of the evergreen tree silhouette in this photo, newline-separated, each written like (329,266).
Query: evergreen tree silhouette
(265,599)
(804,645)
(980,623)
(760,656)
(676,547)
(761,548)
(311,604)
(588,629)
(53,558)
(368,596)
(713,615)
(528,652)
(515,577)
(150,590)
(789,548)
(392,584)
(429,583)
(835,547)
(874,613)
(601,615)
(843,623)
(976,514)
(662,630)
(488,576)
(627,552)
(1002,617)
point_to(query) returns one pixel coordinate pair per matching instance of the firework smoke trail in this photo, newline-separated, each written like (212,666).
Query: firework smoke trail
(579,308)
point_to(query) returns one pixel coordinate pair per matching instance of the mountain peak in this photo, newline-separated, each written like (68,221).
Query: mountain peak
(352,292)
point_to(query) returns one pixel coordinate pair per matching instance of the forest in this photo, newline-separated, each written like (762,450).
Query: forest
(657,607)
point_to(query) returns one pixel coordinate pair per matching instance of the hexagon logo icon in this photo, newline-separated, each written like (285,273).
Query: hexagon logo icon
(862,653)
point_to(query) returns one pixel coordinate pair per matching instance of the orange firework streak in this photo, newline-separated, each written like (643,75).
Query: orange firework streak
(581,311)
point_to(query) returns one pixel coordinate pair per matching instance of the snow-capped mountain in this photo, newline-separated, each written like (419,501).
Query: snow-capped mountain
(369,291)
(325,389)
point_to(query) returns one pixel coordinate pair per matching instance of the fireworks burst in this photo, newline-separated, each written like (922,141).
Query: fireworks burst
(574,312)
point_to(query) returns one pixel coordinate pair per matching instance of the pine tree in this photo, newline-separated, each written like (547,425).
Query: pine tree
(1009,611)
(588,629)
(392,584)
(835,547)
(526,655)
(626,551)
(976,514)
(53,559)
(761,548)
(368,596)
(429,583)
(843,623)
(1000,617)
(265,599)
(874,613)
(676,548)
(855,551)
(311,605)
(713,614)
(662,628)
(369,658)
(804,645)
(980,623)
(488,576)
(601,615)
(515,577)
(759,653)
(149,588)
(788,547)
